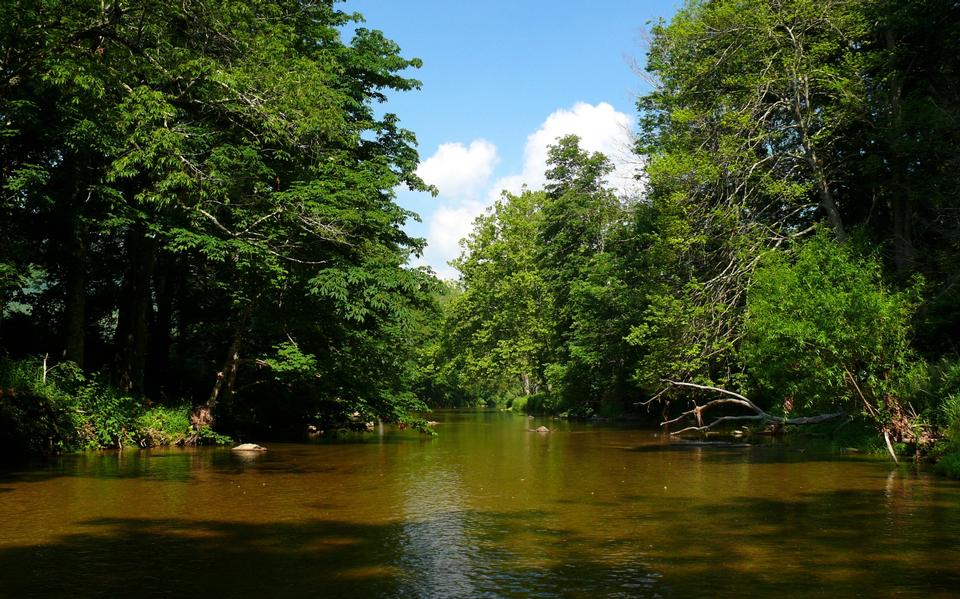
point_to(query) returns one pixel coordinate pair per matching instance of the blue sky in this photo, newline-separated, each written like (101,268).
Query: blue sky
(501,80)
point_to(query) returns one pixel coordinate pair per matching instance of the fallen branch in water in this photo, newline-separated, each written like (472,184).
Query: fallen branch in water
(736,399)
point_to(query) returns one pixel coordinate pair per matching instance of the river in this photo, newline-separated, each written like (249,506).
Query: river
(484,509)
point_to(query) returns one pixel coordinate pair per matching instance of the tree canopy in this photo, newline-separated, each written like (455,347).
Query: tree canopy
(198,200)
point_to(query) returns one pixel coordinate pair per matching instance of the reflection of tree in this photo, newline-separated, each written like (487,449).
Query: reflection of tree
(436,550)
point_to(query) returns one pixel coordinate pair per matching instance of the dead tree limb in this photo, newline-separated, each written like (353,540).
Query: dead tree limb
(736,399)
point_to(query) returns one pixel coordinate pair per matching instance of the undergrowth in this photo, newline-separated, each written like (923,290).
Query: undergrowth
(57,409)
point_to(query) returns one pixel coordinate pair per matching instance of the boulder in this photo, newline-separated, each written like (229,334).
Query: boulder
(249,447)
(540,429)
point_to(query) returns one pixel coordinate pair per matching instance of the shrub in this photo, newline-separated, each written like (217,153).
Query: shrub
(950,410)
(110,415)
(47,410)
(518,404)
(35,415)
(949,465)
(161,425)
(822,330)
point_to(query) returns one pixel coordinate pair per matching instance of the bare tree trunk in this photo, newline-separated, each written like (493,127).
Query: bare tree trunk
(226,378)
(830,207)
(903,251)
(824,193)
(731,399)
(160,331)
(75,300)
(228,375)
(136,305)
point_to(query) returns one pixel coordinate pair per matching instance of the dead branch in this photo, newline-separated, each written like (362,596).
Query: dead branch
(736,399)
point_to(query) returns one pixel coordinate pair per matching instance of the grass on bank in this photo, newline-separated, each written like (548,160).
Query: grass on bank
(57,409)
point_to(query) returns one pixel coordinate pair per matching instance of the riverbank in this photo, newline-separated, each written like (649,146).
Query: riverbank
(59,409)
(851,436)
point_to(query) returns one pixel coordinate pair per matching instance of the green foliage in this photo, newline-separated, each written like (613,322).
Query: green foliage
(289,360)
(518,404)
(822,329)
(950,410)
(162,425)
(35,415)
(949,465)
(207,189)
(109,416)
(496,332)
(772,120)
(66,411)
(548,290)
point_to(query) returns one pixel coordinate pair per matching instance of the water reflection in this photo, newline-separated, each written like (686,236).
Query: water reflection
(438,556)
(486,509)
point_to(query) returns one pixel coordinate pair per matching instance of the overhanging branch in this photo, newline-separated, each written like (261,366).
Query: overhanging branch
(736,399)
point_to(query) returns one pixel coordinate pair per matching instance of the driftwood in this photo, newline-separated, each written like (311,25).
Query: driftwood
(735,399)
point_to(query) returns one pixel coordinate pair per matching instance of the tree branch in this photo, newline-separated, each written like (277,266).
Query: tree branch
(735,399)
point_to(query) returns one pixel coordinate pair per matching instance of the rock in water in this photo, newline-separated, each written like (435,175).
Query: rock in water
(540,429)
(249,447)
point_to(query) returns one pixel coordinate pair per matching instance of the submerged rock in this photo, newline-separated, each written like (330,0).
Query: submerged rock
(249,447)
(540,429)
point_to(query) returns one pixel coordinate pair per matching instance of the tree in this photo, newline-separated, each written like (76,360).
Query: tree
(772,120)
(498,331)
(743,156)
(547,293)
(187,168)
(580,241)
(823,333)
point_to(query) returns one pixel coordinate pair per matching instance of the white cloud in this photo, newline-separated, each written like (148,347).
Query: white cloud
(448,226)
(460,172)
(601,128)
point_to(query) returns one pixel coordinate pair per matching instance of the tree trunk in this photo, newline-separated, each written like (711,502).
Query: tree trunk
(226,378)
(158,364)
(824,193)
(903,252)
(136,306)
(75,299)
(830,207)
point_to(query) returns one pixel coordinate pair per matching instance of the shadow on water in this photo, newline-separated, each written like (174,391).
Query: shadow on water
(762,453)
(837,543)
(170,465)
(850,543)
(165,465)
(159,558)
(183,558)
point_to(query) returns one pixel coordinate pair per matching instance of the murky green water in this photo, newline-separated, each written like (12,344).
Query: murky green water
(486,509)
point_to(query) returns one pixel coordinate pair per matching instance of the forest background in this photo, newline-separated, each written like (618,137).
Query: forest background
(201,233)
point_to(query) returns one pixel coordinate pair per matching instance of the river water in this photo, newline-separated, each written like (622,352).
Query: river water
(484,509)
